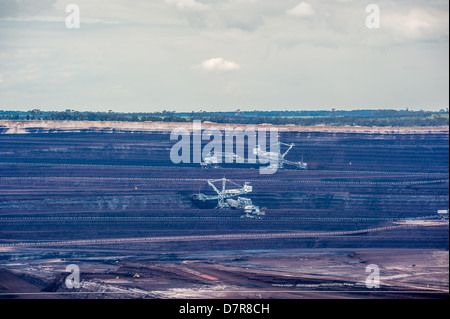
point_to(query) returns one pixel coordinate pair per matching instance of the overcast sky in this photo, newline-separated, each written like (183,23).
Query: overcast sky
(217,55)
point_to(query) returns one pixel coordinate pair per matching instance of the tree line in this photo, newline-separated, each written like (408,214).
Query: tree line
(304,118)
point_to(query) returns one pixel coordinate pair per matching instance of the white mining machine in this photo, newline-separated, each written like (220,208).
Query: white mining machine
(275,158)
(224,198)
(213,160)
(443,213)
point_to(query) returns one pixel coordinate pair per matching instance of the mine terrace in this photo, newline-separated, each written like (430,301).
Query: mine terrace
(107,197)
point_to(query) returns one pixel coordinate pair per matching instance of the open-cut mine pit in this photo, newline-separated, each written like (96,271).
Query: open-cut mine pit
(110,200)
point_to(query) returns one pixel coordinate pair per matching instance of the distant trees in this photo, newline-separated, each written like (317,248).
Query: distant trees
(35,114)
(331,117)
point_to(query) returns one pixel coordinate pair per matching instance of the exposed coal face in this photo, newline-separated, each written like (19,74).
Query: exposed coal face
(60,185)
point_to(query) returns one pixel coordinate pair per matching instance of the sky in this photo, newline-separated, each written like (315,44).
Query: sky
(223,55)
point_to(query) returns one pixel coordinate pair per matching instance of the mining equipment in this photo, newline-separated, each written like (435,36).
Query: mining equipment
(250,210)
(443,213)
(277,158)
(219,199)
(228,198)
(213,160)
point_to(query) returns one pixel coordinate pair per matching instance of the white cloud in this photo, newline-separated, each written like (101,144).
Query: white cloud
(218,64)
(302,10)
(188,5)
(418,23)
